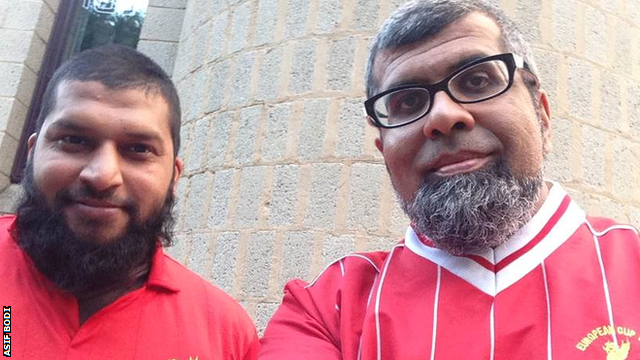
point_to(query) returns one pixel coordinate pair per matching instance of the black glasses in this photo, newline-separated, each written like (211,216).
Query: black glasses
(477,81)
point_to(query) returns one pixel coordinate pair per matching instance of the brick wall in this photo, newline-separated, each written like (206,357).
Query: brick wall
(24,31)
(161,31)
(282,175)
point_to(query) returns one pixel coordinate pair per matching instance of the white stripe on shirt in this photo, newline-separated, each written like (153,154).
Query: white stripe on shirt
(546,292)
(377,304)
(435,315)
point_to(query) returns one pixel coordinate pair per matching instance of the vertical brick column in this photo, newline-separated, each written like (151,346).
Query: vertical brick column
(282,175)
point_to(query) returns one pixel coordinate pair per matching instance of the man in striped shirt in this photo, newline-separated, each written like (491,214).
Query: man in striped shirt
(497,263)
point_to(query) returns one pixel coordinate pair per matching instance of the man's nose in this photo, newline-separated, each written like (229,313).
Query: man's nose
(445,117)
(103,171)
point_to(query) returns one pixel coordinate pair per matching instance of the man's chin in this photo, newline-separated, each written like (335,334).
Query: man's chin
(471,212)
(97,236)
(97,232)
(84,259)
(81,254)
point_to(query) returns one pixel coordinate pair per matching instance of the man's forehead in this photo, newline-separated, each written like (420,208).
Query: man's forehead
(76,102)
(78,88)
(472,35)
(96,90)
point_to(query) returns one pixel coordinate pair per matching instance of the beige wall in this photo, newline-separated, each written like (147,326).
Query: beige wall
(282,175)
(161,31)
(24,31)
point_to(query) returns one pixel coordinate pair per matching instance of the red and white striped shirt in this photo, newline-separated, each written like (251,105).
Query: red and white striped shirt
(566,286)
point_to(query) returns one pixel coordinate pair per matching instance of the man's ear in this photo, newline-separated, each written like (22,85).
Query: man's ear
(177,171)
(545,121)
(31,143)
(370,121)
(378,141)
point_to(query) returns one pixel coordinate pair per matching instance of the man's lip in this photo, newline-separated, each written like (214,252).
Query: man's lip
(98,203)
(95,209)
(460,162)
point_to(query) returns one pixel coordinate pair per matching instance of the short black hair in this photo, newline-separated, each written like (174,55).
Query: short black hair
(116,67)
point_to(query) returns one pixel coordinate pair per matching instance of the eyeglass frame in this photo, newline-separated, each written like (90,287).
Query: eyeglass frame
(513,62)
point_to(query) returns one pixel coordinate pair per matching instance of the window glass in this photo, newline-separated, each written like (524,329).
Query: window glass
(101,22)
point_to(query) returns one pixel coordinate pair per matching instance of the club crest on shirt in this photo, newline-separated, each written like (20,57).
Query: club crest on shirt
(615,352)
(607,336)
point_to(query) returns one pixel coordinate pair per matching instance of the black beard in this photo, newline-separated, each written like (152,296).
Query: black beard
(469,213)
(78,264)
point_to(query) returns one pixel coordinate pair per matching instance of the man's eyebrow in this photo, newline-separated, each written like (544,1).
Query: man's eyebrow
(150,136)
(71,125)
(450,69)
(464,61)
(67,124)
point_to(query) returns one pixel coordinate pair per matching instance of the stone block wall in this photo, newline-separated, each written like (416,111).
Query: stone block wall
(282,175)
(161,31)
(25,26)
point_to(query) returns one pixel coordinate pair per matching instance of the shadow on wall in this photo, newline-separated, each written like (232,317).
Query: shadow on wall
(9,198)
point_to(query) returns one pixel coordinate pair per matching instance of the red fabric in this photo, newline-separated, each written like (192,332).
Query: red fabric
(336,318)
(176,315)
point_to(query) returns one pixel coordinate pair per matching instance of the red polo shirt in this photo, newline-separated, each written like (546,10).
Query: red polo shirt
(175,315)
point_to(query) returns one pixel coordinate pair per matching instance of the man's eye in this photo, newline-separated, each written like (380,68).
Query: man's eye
(140,149)
(406,102)
(73,140)
(409,102)
(477,81)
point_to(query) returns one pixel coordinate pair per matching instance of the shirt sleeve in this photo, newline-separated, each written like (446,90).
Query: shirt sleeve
(302,328)
(254,347)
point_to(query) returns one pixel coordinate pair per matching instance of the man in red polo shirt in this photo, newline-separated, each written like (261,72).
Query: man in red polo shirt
(83,268)
(498,263)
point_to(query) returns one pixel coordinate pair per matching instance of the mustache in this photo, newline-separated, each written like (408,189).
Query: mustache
(86,194)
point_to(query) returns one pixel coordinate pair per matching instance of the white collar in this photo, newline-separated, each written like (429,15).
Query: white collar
(496,269)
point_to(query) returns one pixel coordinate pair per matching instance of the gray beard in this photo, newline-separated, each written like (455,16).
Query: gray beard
(470,213)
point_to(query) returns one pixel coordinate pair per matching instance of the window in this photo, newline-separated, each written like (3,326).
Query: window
(101,22)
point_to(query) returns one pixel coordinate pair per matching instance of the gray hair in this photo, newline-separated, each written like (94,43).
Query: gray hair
(418,21)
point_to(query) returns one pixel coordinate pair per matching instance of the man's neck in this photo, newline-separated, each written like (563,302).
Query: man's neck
(91,303)
(544,192)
